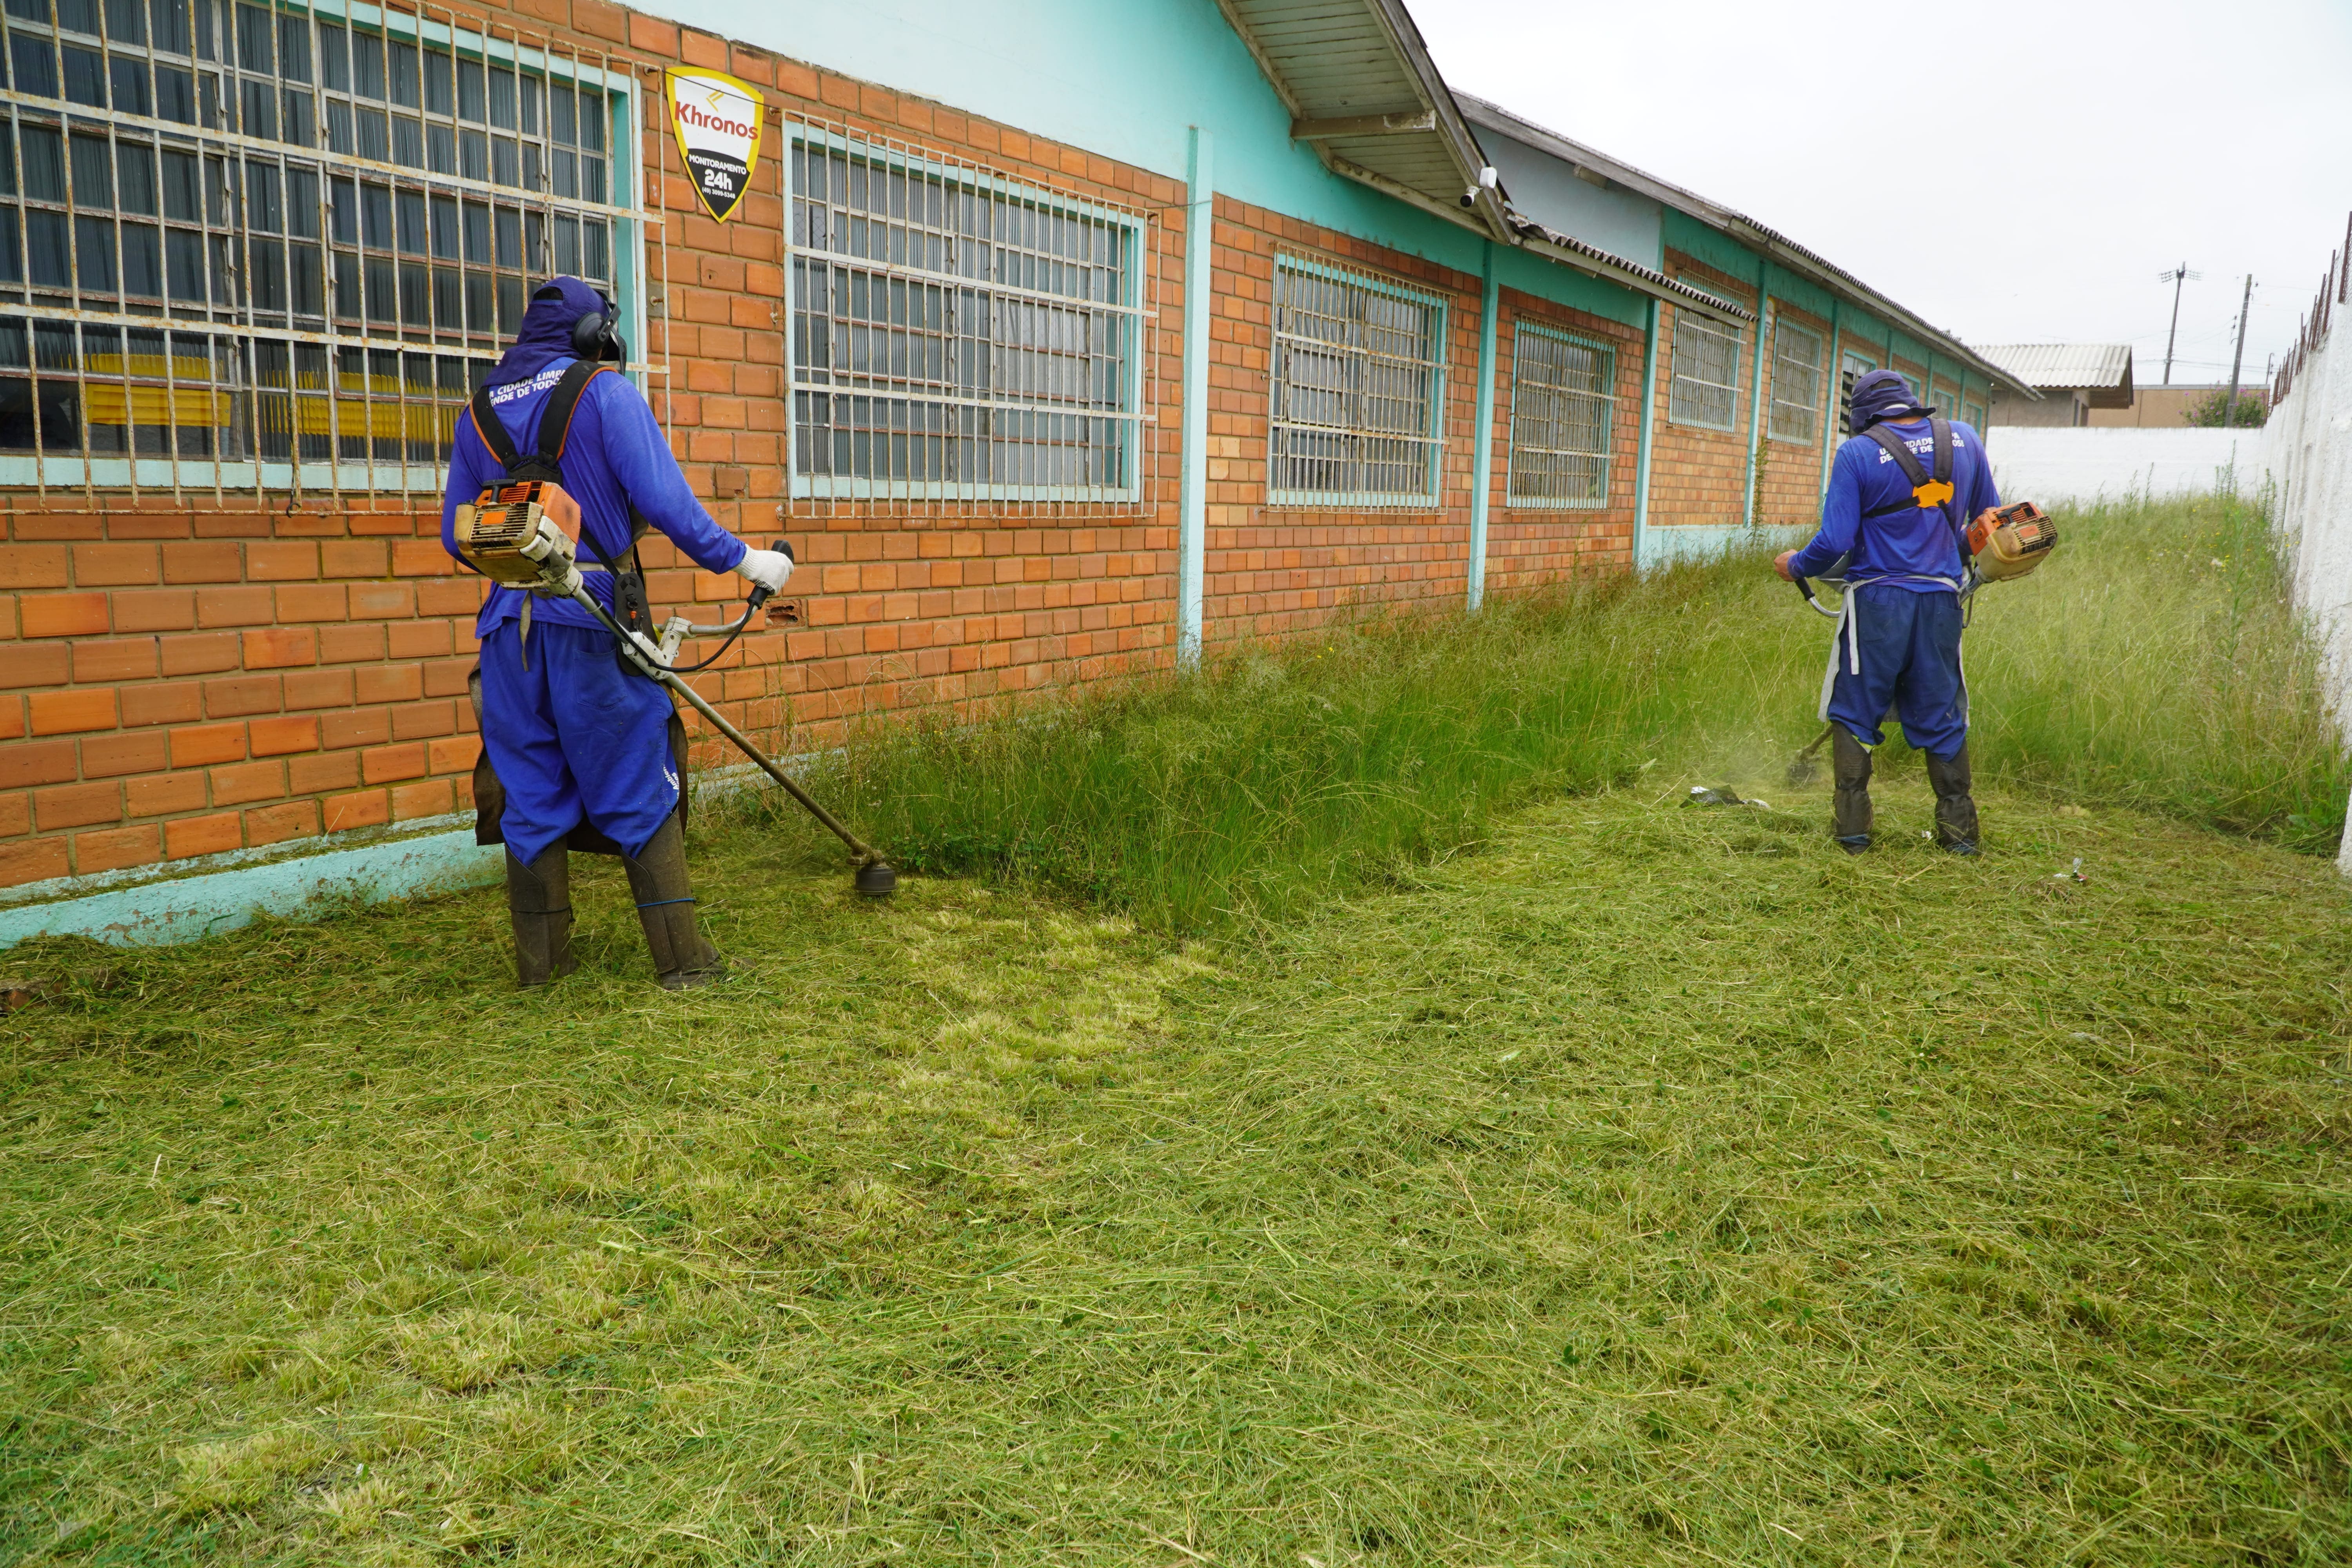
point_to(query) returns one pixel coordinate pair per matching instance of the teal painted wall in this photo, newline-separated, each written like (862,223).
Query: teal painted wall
(1125,79)
(1711,245)
(1623,223)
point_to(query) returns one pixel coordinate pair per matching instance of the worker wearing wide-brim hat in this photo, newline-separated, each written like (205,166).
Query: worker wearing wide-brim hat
(578,744)
(1891,522)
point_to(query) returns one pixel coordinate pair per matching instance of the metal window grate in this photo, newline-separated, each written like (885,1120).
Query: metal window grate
(1562,409)
(1358,387)
(1706,371)
(1852,368)
(956,336)
(1796,383)
(255,249)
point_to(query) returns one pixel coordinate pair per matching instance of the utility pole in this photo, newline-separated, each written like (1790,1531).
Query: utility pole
(2177,276)
(2238,359)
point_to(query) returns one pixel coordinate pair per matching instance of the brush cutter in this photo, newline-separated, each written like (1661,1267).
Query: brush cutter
(527,545)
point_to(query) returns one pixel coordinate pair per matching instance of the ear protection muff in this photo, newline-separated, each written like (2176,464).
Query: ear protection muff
(596,336)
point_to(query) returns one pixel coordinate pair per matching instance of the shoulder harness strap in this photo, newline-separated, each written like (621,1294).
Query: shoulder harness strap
(489,426)
(555,419)
(1927,490)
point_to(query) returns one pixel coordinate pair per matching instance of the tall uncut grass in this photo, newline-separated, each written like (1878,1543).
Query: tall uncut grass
(2155,662)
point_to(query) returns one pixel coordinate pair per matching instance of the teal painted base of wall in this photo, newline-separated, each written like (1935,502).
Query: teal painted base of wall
(184,909)
(1663,545)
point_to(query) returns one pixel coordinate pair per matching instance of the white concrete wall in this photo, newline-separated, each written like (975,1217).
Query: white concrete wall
(2091,463)
(2307,448)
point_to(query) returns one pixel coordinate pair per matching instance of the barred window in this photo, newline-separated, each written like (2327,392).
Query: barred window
(1706,371)
(1359,378)
(1851,369)
(1562,407)
(283,244)
(1796,383)
(1974,415)
(956,336)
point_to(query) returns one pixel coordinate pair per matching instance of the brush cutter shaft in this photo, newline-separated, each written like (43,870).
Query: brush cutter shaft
(637,656)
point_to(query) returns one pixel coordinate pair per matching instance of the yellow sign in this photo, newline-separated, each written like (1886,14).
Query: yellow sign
(718,120)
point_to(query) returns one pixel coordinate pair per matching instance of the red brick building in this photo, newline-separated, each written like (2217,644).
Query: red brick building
(964,341)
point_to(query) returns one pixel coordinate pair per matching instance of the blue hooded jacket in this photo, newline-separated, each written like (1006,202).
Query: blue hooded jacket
(1904,544)
(615,454)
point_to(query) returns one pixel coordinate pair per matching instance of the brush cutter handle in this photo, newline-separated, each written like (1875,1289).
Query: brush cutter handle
(760,592)
(1805,587)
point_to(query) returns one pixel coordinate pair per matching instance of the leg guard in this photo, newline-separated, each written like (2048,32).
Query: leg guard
(1955,809)
(1851,765)
(665,908)
(538,902)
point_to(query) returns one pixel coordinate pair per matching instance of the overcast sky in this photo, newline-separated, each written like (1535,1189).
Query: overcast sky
(2067,152)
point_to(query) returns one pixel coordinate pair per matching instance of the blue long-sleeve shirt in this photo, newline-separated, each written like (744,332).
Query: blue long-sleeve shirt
(1904,544)
(615,454)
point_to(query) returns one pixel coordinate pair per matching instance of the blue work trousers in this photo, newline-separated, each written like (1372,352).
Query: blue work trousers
(572,735)
(1899,648)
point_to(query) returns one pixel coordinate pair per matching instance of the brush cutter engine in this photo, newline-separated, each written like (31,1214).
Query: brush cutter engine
(2011,541)
(523,535)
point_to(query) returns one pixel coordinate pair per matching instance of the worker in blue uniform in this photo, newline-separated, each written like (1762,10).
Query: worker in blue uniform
(580,743)
(1900,546)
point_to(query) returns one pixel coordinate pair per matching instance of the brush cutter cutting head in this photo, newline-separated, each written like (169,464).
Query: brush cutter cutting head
(876,879)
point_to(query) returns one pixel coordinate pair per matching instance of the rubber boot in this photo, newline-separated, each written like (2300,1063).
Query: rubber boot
(1850,762)
(539,902)
(665,908)
(1955,809)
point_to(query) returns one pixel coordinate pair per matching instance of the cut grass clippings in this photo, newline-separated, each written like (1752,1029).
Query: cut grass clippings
(1660,1185)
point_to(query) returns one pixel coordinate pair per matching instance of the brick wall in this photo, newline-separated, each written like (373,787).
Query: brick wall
(186,683)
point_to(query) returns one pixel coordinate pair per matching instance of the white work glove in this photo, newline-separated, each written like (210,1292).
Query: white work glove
(768,568)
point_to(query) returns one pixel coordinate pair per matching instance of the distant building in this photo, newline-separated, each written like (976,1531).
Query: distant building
(2168,406)
(2074,379)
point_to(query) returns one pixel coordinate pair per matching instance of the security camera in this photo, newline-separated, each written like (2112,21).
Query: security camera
(1488,181)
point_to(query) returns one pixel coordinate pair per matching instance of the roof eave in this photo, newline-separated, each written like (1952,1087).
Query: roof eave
(1568,250)
(1788,253)
(1778,247)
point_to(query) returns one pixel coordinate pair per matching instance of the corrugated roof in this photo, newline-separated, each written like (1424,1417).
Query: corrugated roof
(1784,251)
(2069,366)
(1363,92)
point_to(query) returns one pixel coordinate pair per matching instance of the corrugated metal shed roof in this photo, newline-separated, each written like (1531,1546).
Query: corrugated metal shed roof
(2069,366)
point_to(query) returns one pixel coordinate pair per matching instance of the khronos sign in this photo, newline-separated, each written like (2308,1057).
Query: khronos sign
(718,120)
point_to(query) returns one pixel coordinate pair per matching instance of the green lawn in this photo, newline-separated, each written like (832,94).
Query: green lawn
(1648,1185)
